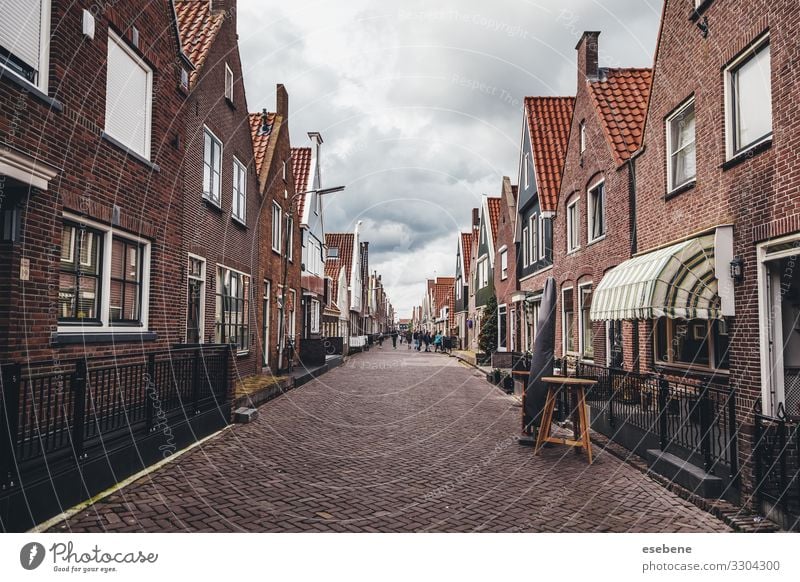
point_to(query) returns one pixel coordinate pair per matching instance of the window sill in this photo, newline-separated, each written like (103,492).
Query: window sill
(239,222)
(212,205)
(243,354)
(748,153)
(596,240)
(680,190)
(696,13)
(573,251)
(277,252)
(135,155)
(693,372)
(101,337)
(54,104)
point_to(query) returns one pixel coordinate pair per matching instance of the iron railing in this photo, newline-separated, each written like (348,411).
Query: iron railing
(694,421)
(48,415)
(776,454)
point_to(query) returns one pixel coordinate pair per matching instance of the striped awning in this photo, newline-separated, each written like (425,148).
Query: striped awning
(676,282)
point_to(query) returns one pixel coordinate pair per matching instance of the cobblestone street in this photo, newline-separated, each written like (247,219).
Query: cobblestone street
(392,441)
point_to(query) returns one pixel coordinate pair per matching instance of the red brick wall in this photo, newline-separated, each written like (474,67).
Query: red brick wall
(763,190)
(211,232)
(504,289)
(95,175)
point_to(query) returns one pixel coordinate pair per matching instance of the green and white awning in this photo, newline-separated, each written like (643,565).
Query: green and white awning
(676,282)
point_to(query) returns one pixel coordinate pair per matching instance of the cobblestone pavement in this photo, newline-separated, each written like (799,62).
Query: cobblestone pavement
(391,441)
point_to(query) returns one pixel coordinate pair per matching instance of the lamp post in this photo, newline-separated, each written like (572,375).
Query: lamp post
(287,242)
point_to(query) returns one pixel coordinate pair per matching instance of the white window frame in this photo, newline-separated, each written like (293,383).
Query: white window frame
(292,316)
(216,201)
(564,334)
(583,136)
(542,249)
(581,338)
(289,241)
(525,247)
(573,227)
(247,298)
(773,390)
(733,149)
(113,37)
(228,83)
(590,197)
(315,316)
(533,229)
(504,263)
(202,323)
(239,201)
(105,325)
(502,310)
(671,187)
(525,171)
(43,72)
(277,227)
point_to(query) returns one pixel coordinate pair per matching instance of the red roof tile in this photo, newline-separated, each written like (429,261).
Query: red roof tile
(621,97)
(549,120)
(494,216)
(466,247)
(440,293)
(261,140)
(198,27)
(344,242)
(301,170)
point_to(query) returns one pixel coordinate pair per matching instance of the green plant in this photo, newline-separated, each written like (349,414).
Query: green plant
(487,340)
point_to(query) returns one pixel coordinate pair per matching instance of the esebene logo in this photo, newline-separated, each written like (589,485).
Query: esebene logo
(66,558)
(31,555)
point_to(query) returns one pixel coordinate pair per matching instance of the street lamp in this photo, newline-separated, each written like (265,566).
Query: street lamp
(287,242)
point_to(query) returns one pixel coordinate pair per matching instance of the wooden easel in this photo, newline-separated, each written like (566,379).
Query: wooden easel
(577,386)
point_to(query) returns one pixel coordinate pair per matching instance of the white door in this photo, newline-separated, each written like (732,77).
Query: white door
(266,313)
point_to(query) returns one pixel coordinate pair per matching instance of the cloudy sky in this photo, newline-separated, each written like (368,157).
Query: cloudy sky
(420,104)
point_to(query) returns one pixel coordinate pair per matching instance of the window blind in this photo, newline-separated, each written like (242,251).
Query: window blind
(21,29)
(127,99)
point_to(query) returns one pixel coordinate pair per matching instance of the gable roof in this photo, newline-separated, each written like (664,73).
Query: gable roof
(621,97)
(549,121)
(441,291)
(466,249)
(301,171)
(494,216)
(198,26)
(344,242)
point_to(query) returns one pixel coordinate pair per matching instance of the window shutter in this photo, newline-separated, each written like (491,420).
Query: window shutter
(127,99)
(20,30)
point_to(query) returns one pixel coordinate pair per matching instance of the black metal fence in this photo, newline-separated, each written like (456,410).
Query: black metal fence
(49,416)
(695,422)
(777,465)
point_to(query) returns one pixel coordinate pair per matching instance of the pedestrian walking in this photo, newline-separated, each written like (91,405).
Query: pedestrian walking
(427,340)
(394,340)
(437,342)
(409,335)
(380,340)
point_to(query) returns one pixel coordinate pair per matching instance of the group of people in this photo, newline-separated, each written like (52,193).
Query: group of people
(440,342)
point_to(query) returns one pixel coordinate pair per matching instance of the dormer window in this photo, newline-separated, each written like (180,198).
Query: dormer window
(333,252)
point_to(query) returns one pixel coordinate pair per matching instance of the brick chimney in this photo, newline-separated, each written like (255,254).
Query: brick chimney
(588,63)
(476,216)
(282,102)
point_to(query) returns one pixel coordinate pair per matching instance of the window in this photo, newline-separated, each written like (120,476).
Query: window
(525,171)
(196,300)
(239,191)
(749,93)
(314,316)
(568,321)
(126,281)
(129,87)
(24,40)
(583,136)
(292,329)
(533,227)
(681,147)
(586,334)
(103,277)
(212,167)
(232,322)
(333,252)
(290,239)
(459,286)
(228,83)
(597,212)
(504,264)
(276,227)
(531,321)
(483,273)
(696,343)
(80,281)
(573,226)
(483,233)
(502,327)
(525,247)
(542,246)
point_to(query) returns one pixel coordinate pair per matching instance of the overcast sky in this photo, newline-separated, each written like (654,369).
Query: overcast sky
(419,104)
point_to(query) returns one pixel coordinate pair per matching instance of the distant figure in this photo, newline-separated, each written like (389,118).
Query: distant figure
(409,335)
(394,339)
(380,340)
(427,339)
(437,342)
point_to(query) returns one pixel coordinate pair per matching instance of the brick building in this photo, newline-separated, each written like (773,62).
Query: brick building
(280,250)
(91,252)
(221,195)
(461,287)
(594,212)
(506,282)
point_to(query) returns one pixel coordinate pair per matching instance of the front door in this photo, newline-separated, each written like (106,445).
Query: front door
(195,301)
(265,331)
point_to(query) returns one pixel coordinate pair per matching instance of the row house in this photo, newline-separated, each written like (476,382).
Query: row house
(220,186)
(461,287)
(482,264)
(338,273)
(91,198)
(443,312)
(506,282)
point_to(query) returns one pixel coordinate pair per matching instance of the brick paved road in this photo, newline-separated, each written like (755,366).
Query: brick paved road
(391,441)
